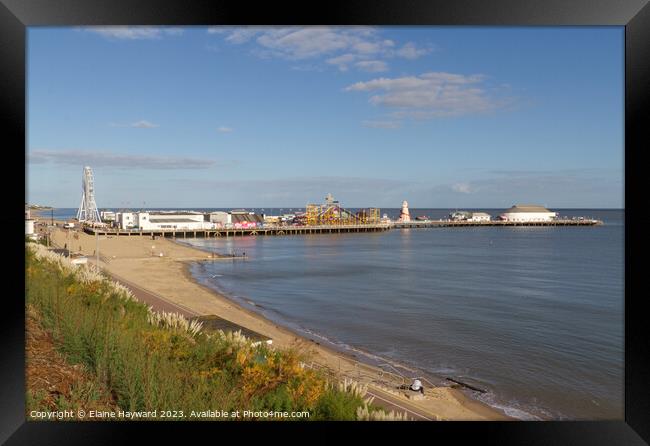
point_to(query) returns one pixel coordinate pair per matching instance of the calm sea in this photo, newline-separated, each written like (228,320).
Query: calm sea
(533,315)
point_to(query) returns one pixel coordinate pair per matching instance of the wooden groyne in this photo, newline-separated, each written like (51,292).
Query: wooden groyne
(468,386)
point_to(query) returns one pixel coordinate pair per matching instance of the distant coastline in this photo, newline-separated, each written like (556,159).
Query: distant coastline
(35,207)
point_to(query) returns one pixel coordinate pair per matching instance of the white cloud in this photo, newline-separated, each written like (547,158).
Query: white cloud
(302,43)
(134,32)
(342,46)
(463,188)
(238,35)
(430,95)
(342,61)
(218,29)
(372,66)
(365,47)
(411,51)
(306,67)
(224,129)
(382,124)
(144,125)
(138,125)
(109,159)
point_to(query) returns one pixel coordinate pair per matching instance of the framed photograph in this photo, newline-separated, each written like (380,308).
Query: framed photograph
(371,216)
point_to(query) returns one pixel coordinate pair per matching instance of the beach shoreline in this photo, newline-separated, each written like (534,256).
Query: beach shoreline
(463,398)
(137,260)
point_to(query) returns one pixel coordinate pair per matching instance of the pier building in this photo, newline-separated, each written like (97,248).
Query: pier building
(126,220)
(220,218)
(148,221)
(246,219)
(469,216)
(460,216)
(528,213)
(479,216)
(238,218)
(107,216)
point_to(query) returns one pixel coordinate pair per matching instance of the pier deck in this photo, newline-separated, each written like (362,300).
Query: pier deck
(461,223)
(232,232)
(330,229)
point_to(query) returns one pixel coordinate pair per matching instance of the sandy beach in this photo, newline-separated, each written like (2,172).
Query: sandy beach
(137,260)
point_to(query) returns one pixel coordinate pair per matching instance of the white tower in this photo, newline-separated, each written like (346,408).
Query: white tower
(88,208)
(404,215)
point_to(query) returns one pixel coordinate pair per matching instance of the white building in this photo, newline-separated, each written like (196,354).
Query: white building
(168,220)
(147,221)
(127,220)
(29,227)
(460,216)
(107,215)
(479,216)
(528,213)
(221,218)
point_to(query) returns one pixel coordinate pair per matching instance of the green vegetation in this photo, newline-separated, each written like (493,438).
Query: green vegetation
(145,361)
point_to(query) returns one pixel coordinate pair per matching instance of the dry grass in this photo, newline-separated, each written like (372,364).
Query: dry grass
(364,413)
(174,321)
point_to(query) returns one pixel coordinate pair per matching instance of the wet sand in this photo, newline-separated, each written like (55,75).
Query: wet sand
(137,260)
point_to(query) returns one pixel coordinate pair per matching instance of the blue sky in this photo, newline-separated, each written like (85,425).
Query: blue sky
(275,116)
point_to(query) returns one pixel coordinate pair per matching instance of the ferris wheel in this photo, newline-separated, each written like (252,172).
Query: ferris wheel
(88,208)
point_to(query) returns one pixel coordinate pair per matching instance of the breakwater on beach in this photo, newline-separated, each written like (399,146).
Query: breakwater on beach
(533,315)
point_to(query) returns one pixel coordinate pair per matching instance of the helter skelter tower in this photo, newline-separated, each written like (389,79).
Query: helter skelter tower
(404,215)
(88,208)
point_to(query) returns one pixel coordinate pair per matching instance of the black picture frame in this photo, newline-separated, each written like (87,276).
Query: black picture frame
(16,15)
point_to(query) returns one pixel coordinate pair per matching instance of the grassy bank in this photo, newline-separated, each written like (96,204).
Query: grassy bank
(140,360)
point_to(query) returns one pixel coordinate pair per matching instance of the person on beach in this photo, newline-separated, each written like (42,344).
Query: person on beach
(417,386)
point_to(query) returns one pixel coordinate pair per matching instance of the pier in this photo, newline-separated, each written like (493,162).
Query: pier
(325,229)
(234,232)
(463,223)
